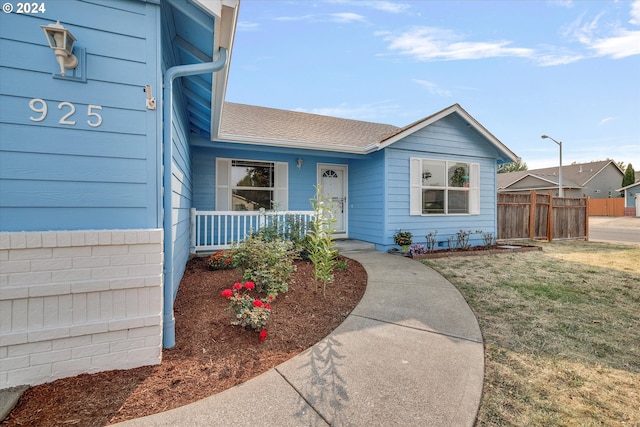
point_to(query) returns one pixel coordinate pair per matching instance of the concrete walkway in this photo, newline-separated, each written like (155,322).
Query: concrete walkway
(410,354)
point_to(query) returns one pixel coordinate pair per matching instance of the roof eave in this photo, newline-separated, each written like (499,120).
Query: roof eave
(314,146)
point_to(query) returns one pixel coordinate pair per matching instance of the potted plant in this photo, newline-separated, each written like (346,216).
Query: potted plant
(403,239)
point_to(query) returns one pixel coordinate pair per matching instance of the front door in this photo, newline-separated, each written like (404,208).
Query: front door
(333,179)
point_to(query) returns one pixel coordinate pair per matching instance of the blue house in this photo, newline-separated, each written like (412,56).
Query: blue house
(119,157)
(631,194)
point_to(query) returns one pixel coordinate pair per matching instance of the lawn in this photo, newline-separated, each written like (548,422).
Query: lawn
(562,333)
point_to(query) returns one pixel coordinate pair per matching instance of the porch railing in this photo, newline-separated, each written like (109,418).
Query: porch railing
(215,230)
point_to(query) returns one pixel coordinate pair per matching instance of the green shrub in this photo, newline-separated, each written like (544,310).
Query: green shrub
(221,260)
(320,243)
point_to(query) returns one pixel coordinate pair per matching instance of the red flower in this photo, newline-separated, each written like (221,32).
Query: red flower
(267,306)
(237,285)
(270,297)
(249,285)
(257,303)
(263,335)
(227,293)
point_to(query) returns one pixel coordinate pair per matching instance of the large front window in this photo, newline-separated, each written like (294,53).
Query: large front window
(253,184)
(443,187)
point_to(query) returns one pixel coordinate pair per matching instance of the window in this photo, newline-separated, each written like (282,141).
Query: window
(250,185)
(444,187)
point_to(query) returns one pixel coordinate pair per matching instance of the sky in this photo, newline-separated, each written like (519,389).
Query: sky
(569,69)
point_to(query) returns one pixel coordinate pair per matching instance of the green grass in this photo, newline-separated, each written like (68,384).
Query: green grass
(562,332)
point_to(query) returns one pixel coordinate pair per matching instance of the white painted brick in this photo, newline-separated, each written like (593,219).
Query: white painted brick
(50,310)
(117,238)
(49,240)
(135,282)
(130,237)
(93,307)
(30,254)
(129,259)
(155,300)
(63,238)
(51,264)
(131,302)
(145,356)
(145,249)
(90,350)
(19,315)
(129,323)
(12,267)
(107,362)
(14,338)
(142,237)
(110,272)
(49,290)
(72,342)
(144,270)
(126,345)
(11,363)
(91,238)
(153,281)
(106,305)
(69,368)
(49,334)
(110,250)
(144,300)
(77,238)
(50,357)
(3,352)
(4,379)
(13,292)
(5,316)
(154,341)
(18,240)
(108,337)
(72,252)
(104,238)
(89,328)
(4,255)
(33,375)
(92,262)
(71,275)
(21,279)
(147,331)
(155,236)
(153,320)
(5,241)
(34,240)
(4,280)
(79,308)
(36,313)
(90,286)
(29,348)
(119,300)
(65,309)
(154,258)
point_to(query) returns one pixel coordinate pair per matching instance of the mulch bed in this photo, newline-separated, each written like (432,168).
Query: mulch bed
(210,355)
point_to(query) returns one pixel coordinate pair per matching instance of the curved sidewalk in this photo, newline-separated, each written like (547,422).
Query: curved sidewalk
(409,354)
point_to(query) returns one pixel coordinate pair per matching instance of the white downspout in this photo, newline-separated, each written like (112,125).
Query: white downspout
(170,288)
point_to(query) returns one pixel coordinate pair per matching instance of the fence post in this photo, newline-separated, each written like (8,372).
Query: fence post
(192,231)
(532,215)
(586,217)
(550,217)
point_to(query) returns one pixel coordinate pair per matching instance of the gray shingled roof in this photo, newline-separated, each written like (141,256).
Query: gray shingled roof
(248,121)
(577,174)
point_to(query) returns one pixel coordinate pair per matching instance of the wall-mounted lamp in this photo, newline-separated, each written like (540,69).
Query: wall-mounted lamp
(299,163)
(61,41)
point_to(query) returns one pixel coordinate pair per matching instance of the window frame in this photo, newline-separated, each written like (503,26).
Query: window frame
(417,186)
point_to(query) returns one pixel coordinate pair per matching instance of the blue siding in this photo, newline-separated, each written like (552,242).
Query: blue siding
(447,139)
(55,176)
(367,201)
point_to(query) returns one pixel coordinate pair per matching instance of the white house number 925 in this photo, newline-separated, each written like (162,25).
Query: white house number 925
(67,110)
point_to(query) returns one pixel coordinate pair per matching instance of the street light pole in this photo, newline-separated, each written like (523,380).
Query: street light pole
(560,191)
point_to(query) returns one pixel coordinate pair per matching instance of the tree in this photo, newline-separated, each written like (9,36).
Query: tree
(629,176)
(518,165)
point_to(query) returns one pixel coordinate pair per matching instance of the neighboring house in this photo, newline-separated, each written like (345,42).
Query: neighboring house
(595,179)
(631,198)
(101,170)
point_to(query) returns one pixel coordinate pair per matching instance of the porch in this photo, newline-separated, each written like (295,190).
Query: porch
(216,230)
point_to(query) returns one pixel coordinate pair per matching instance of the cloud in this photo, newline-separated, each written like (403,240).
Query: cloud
(343,18)
(605,121)
(635,13)
(385,6)
(347,17)
(625,43)
(247,26)
(436,44)
(432,88)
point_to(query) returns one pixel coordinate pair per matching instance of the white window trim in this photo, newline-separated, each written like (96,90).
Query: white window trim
(415,190)
(224,187)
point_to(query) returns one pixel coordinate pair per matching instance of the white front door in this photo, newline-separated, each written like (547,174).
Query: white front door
(333,179)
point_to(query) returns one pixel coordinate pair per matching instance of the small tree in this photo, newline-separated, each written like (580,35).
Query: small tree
(629,176)
(518,165)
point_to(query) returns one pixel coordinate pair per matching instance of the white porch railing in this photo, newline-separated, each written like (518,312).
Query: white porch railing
(215,230)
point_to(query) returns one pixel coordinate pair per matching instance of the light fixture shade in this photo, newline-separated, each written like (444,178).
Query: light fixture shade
(61,41)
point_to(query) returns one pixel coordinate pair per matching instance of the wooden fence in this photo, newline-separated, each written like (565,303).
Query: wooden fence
(542,216)
(606,207)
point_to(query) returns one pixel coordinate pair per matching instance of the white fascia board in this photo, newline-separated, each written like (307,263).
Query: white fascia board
(214,7)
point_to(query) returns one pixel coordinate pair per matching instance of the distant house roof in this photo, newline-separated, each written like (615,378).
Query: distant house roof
(576,175)
(270,126)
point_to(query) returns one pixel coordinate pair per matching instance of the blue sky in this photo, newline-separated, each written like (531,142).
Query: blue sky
(568,69)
